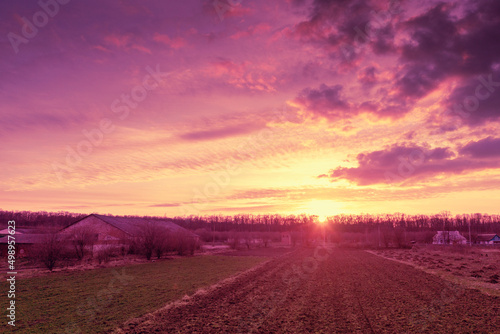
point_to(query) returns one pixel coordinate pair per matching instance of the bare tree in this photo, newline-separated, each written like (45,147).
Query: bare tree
(162,242)
(185,243)
(82,238)
(266,238)
(50,249)
(233,240)
(399,237)
(248,237)
(147,239)
(153,238)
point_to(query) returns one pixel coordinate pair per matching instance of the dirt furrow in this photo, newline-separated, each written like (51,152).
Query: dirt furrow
(340,291)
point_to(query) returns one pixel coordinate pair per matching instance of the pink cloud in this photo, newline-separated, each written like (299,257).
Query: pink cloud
(256,30)
(174,43)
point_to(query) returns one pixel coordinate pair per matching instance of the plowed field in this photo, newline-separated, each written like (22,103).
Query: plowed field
(328,291)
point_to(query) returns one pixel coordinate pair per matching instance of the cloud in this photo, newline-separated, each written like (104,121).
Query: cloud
(164,205)
(475,101)
(368,75)
(174,43)
(228,131)
(346,28)
(485,148)
(326,101)
(411,162)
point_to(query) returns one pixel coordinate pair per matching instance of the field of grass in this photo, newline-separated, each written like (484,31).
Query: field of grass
(98,300)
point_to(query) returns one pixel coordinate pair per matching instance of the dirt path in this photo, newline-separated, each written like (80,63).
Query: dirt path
(339,291)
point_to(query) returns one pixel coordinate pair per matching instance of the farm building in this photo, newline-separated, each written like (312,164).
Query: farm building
(114,231)
(488,239)
(24,243)
(448,238)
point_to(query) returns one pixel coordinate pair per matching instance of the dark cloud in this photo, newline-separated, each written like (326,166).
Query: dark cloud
(456,40)
(474,102)
(485,148)
(367,76)
(410,162)
(339,26)
(326,101)
(441,46)
(417,81)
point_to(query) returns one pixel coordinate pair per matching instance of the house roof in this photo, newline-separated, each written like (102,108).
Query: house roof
(133,225)
(25,238)
(485,237)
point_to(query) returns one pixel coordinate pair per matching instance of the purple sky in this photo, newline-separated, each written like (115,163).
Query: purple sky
(201,107)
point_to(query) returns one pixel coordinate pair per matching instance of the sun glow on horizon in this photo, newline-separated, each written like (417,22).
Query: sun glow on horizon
(323,208)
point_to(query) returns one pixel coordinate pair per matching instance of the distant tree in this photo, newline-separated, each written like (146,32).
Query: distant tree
(399,237)
(266,238)
(234,240)
(248,237)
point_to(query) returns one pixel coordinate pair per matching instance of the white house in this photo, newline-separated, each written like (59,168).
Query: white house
(448,238)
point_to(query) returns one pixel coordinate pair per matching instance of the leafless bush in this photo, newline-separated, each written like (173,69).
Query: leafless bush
(82,238)
(400,237)
(211,236)
(152,238)
(247,239)
(162,242)
(185,243)
(49,250)
(266,238)
(295,238)
(234,240)
(105,254)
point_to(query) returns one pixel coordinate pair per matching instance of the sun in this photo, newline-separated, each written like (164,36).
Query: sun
(322,208)
(322,219)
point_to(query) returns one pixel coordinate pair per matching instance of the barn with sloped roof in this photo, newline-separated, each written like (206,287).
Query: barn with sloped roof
(109,230)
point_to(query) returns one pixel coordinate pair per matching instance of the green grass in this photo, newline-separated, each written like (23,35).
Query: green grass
(98,300)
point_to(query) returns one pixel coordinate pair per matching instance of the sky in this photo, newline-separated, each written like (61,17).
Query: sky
(236,106)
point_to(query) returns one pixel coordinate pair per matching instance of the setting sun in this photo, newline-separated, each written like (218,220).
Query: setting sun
(323,208)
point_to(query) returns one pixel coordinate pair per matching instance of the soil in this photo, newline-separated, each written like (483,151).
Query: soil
(476,267)
(334,291)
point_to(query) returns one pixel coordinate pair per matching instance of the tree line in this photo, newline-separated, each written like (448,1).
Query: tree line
(477,222)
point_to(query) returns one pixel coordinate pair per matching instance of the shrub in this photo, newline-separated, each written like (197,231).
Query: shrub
(185,244)
(105,254)
(49,250)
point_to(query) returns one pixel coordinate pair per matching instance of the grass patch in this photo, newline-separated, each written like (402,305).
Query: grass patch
(98,300)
